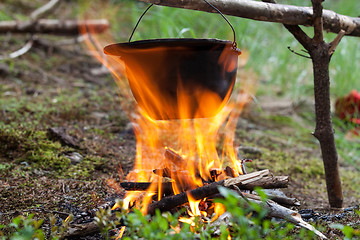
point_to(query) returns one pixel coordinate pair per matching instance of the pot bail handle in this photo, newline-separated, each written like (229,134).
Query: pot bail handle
(222,15)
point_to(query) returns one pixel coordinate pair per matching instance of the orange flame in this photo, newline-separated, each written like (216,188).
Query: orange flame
(121,232)
(195,140)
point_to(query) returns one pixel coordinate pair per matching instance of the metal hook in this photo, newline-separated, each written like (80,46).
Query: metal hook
(232,28)
(142,15)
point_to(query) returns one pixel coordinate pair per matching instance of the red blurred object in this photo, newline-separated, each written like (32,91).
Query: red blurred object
(348,107)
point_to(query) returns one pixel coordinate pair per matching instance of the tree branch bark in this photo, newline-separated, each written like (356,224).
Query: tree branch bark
(53,26)
(318,22)
(261,11)
(321,53)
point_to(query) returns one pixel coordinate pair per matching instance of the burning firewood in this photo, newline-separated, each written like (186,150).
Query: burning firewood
(241,181)
(173,156)
(247,181)
(230,172)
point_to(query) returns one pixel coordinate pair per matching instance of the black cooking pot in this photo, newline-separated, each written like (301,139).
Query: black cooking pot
(179,78)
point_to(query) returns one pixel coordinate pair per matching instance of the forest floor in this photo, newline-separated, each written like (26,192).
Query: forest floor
(54,87)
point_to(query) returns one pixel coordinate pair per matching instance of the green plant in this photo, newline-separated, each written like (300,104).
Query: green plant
(247,220)
(349,232)
(23,228)
(28,228)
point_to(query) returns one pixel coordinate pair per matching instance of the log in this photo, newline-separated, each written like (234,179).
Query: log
(54,26)
(261,11)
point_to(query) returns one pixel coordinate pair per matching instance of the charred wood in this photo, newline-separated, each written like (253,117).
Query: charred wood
(174,157)
(144,186)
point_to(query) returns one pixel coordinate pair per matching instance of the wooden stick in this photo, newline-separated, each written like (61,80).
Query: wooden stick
(54,26)
(44,10)
(20,51)
(260,11)
(284,200)
(144,186)
(336,42)
(174,157)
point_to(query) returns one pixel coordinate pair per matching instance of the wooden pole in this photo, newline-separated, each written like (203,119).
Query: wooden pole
(262,11)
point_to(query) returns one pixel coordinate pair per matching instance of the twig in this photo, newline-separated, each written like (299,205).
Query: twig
(241,194)
(45,9)
(284,200)
(21,51)
(39,13)
(299,54)
(336,42)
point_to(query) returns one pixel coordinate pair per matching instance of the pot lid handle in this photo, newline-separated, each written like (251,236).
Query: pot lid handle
(232,28)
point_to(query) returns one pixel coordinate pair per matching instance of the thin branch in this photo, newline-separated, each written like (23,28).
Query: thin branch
(44,10)
(336,42)
(21,51)
(299,54)
(39,13)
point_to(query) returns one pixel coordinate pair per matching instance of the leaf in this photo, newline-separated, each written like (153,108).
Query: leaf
(37,224)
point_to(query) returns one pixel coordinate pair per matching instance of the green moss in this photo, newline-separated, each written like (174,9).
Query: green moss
(34,149)
(86,167)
